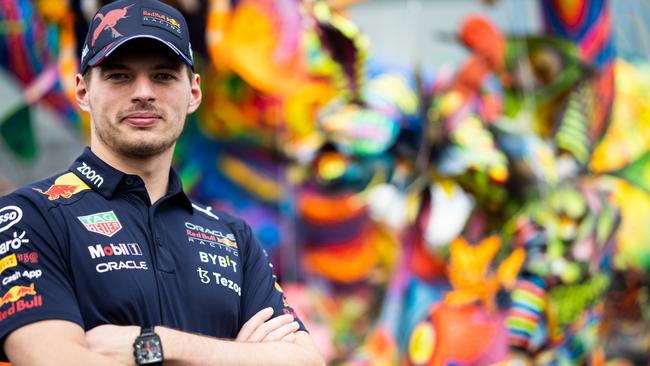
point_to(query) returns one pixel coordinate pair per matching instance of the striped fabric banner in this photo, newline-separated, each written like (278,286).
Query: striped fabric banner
(526,311)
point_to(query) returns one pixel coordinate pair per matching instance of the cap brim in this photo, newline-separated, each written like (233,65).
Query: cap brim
(106,51)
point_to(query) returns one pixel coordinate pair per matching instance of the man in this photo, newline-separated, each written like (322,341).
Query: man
(110,262)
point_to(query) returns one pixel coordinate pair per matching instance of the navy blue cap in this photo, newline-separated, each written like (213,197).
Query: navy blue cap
(124,20)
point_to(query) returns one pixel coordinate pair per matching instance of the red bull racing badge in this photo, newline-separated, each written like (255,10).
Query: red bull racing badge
(64,186)
(161,20)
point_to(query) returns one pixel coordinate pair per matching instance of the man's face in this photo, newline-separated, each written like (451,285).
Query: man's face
(138,99)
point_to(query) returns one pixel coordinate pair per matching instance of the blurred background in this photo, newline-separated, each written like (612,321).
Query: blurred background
(437,182)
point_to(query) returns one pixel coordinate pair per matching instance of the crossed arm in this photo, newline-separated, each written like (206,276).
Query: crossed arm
(259,342)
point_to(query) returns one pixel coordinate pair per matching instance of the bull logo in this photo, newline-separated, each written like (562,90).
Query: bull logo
(109,21)
(57,191)
(16,293)
(64,186)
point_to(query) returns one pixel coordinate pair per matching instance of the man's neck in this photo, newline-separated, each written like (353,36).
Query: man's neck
(154,170)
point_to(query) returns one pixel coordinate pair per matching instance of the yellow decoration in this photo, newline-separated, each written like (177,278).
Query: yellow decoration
(422,343)
(628,135)
(470,274)
(301,106)
(633,235)
(244,40)
(255,182)
(53,11)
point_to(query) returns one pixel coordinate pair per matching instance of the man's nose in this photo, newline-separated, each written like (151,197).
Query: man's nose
(143,89)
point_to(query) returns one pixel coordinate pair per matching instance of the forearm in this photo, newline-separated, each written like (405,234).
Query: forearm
(52,342)
(182,348)
(58,353)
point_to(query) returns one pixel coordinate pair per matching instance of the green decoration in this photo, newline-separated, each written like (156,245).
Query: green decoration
(18,133)
(637,172)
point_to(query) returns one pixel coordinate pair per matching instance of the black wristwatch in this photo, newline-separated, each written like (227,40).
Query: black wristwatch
(147,348)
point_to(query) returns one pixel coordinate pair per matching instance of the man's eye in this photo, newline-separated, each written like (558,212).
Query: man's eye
(164,76)
(117,76)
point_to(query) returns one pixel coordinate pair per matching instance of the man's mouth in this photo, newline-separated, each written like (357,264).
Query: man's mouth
(142,119)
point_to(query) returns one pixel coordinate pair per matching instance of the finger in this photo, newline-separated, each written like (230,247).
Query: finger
(253,323)
(281,332)
(289,338)
(263,330)
(269,326)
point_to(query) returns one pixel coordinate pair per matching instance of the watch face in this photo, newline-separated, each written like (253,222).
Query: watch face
(148,350)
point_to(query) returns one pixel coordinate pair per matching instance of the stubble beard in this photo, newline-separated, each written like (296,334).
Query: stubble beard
(110,135)
(132,148)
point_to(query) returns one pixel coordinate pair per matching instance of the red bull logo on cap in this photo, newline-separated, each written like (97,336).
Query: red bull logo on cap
(108,22)
(64,186)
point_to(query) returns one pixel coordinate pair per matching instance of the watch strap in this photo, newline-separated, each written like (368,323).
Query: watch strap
(147,331)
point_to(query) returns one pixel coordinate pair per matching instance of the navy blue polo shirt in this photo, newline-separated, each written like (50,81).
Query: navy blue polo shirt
(89,247)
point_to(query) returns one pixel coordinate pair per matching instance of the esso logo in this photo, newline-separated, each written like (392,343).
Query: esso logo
(9,216)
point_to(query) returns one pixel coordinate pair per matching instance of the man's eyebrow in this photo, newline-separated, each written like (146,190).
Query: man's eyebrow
(177,66)
(109,67)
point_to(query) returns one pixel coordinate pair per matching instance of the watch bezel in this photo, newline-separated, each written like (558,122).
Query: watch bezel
(142,357)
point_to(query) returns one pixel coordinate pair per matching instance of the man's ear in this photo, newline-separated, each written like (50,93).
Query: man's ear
(196,95)
(81,92)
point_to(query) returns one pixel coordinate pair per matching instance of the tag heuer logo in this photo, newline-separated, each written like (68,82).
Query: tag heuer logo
(105,223)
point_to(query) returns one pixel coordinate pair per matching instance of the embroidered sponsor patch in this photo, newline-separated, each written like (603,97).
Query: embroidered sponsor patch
(218,279)
(9,216)
(16,293)
(109,250)
(8,262)
(223,261)
(105,223)
(14,243)
(212,238)
(21,305)
(91,174)
(64,186)
(159,19)
(30,274)
(29,257)
(120,265)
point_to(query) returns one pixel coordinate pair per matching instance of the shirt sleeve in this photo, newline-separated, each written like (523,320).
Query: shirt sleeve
(34,277)
(260,287)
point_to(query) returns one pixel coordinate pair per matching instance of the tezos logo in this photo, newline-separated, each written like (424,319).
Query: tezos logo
(9,216)
(89,173)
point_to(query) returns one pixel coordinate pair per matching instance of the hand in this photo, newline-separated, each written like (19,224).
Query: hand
(260,329)
(114,341)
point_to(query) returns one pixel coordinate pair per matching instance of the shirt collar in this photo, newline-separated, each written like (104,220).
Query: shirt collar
(175,188)
(105,180)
